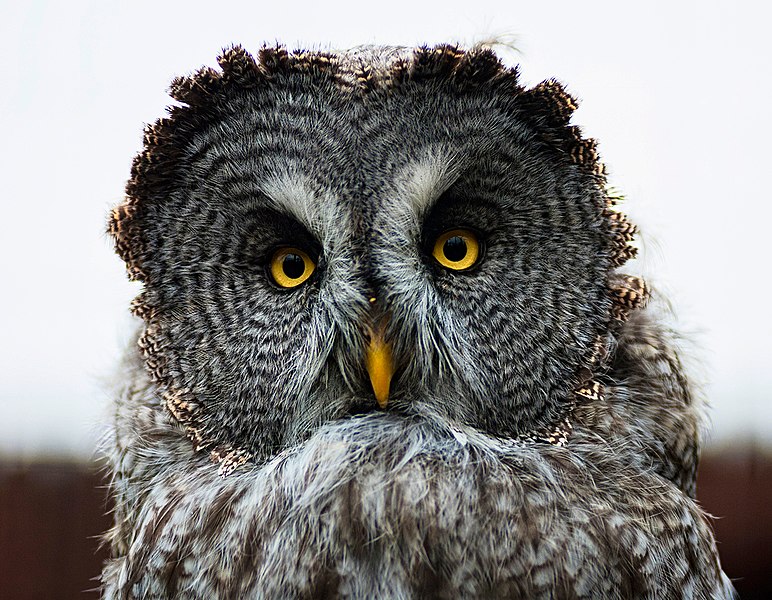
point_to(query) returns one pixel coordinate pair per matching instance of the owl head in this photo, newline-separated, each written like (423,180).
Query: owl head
(385,229)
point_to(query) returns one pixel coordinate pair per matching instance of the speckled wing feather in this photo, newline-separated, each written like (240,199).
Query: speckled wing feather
(651,408)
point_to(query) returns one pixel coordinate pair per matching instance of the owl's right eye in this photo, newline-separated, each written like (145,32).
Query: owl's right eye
(289,267)
(457,249)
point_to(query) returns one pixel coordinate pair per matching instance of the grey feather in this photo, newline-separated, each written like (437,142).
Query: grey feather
(541,437)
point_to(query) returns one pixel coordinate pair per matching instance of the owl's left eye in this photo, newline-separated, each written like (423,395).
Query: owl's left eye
(289,267)
(457,249)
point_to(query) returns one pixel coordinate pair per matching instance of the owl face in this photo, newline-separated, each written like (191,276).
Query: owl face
(326,235)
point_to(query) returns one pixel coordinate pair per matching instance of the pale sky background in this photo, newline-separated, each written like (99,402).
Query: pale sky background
(678,93)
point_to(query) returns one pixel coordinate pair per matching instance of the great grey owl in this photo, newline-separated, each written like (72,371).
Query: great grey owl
(386,351)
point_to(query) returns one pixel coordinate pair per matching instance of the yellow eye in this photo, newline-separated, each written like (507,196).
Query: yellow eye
(290,267)
(457,249)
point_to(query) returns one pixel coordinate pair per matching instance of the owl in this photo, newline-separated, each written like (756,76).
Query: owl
(387,350)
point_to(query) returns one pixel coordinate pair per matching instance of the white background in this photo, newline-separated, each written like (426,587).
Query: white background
(679,95)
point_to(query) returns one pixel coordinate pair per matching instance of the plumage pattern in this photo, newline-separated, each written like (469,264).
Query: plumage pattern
(540,437)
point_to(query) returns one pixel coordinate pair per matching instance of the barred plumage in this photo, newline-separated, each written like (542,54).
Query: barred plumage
(539,437)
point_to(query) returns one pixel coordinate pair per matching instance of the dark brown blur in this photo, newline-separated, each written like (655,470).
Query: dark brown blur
(51,516)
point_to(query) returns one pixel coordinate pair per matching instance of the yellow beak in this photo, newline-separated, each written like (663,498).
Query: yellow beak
(380,366)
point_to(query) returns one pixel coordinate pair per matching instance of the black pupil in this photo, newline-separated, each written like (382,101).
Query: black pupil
(454,248)
(293,265)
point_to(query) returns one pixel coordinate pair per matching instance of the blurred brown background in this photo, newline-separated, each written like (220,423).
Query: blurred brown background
(51,516)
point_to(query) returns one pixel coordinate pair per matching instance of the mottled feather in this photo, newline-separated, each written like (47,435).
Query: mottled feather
(541,437)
